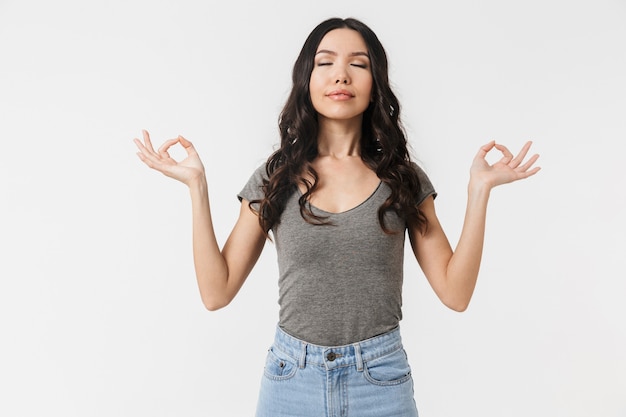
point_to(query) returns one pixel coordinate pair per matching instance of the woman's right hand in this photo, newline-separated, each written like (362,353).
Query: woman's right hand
(186,171)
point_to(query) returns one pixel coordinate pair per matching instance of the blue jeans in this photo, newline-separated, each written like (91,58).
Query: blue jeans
(363,379)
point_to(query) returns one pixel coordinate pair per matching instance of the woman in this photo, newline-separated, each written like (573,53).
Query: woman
(337,198)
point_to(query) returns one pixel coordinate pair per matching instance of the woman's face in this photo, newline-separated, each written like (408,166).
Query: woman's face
(341,80)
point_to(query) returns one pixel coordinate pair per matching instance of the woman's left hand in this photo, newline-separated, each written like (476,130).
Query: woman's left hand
(507,169)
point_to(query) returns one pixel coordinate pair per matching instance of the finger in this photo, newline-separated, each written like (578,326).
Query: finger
(155,163)
(191,150)
(151,159)
(143,158)
(148,155)
(528,163)
(184,142)
(147,160)
(529,173)
(507,155)
(139,144)
(521,155)
(143,149)
(168,144)
(147,141)
(484,150)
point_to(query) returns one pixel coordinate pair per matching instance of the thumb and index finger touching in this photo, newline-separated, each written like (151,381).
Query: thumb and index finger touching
(163,149)
(507,156)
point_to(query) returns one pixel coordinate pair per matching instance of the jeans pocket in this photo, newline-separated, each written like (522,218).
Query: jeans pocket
(279,366)
(391,369)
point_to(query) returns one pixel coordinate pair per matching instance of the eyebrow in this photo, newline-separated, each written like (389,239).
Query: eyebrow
(327,51)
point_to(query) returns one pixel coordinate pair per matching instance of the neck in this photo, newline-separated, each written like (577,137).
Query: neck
(339,138)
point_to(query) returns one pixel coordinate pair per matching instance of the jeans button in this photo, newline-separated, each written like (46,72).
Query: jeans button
(331,356)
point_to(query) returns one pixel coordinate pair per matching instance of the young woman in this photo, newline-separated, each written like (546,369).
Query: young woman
(338,197)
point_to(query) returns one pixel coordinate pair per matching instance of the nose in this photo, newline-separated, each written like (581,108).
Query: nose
(341,75)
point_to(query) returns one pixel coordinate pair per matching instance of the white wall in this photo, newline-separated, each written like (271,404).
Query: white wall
(99,312)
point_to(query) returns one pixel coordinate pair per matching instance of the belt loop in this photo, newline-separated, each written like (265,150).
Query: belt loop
(302,361)
(359,358)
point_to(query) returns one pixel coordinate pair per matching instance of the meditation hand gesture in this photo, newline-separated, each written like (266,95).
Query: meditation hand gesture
(507,169)
(186,171)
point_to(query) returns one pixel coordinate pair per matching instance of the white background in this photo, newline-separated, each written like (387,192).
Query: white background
(99,311)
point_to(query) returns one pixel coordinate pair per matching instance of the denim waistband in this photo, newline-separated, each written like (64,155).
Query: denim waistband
(305,353)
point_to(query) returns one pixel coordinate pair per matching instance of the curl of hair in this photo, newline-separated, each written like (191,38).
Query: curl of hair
(383,141)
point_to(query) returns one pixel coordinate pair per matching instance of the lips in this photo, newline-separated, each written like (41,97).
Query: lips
(340,94)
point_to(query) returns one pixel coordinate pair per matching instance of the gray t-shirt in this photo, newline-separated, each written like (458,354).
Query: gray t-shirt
(339,283)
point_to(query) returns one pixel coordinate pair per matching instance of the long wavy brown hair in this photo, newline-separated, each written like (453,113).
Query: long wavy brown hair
(383,141)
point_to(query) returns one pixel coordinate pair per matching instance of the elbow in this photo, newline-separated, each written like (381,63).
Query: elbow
(458,305)
(214,304)
(457,298)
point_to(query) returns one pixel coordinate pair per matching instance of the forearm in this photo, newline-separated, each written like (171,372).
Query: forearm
(210,266)
(453,274)
(220,273)
(463,267)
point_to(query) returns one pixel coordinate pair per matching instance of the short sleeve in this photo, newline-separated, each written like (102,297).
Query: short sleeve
(426,187)
(253,190)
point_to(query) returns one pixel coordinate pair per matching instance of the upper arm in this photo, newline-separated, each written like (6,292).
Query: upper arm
(242,248)
(432,248)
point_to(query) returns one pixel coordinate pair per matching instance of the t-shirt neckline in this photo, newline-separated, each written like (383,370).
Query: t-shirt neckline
(361,204)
